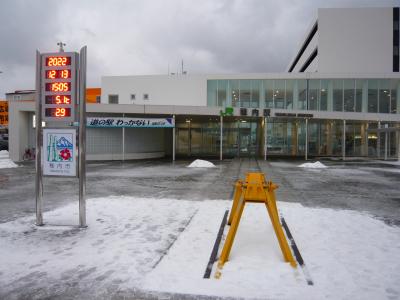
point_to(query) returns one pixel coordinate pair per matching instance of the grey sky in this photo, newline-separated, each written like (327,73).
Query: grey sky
(144,37)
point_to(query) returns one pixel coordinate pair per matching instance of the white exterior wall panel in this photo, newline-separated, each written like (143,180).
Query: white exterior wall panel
(355,40)
(189,90)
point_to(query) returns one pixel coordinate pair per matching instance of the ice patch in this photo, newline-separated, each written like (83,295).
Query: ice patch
(316,165)
(199,163)
(5,162)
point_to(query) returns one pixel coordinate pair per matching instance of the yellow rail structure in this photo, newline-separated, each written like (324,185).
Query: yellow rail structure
(254,189)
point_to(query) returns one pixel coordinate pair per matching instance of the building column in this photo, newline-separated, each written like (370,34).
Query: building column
(189,138)
(306,142)
(344,141)
(294,138)
(173,139)
(378,140)
(123,141)
(265,138)
(398,144)
(386,145)
(221,136)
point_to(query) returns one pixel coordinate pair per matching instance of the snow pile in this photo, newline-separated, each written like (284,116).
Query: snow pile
(316,165)
(4,154)
(5,162)
(199,163)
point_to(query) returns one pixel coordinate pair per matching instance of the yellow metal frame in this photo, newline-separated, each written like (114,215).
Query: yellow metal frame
(254,189)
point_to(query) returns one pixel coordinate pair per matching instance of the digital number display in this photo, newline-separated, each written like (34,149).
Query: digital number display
(58,61)
(57,74)
(57,112)
(58,87)
(58,99)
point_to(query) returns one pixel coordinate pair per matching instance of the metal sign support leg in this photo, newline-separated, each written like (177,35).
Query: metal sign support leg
(173,140)
(38,161)
(82,137)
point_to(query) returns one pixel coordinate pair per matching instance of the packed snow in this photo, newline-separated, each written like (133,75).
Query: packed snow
(199,163)
(315,165)
(5,161)
(163,245)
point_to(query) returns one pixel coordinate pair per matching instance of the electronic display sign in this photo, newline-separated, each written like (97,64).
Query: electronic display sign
(59,86)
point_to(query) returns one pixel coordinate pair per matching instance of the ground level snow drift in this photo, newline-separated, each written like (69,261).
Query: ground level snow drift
(199,163)
(162,245)
(315,165)
(5,161)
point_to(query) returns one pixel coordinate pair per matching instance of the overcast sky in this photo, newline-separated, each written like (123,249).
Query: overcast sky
(145,37)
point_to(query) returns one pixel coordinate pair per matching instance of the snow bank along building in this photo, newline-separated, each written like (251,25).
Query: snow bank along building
(340,96)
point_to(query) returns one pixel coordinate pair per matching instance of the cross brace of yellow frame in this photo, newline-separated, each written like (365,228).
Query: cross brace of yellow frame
(254,189)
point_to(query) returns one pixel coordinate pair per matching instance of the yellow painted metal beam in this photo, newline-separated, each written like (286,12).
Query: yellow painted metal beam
(254,189)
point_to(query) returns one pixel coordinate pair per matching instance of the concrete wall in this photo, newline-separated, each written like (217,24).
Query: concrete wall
(20,114)
(190,90)
(355,40)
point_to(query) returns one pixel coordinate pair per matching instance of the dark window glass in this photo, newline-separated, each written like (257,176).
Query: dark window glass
(348,95)
(269,95)
(313,90)
(279,93)
(337,95)
(113,99)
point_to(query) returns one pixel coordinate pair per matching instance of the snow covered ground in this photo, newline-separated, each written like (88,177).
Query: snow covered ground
(163,245)
(5,161)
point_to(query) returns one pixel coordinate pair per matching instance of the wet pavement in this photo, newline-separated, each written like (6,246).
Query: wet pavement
(370,186)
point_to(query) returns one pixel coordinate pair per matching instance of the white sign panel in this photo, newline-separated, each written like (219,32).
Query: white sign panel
(59,152)
(130,122)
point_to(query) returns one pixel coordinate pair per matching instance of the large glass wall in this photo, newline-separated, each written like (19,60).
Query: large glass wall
(349,95)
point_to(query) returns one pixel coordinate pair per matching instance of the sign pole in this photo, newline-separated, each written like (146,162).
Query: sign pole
(82,137)
(38,161)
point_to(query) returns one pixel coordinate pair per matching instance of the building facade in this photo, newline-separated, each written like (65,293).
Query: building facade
(350,113)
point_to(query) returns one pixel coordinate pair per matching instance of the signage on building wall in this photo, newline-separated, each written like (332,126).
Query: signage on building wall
(59,152)
(130,122)
(4,113)
(59,86)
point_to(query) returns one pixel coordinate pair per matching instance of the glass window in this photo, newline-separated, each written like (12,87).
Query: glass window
(384,96)
(360,94)
(234,84)
(323,97)
(145,97)
(255,93)
(302,102)
(133,97)
(245,93)
(212,92)
(313,92)
(337,95)
(289,94)
(348,94)
(279,93)
(221,96)
(113,99)
(372,95)
(269,95)
(394,96)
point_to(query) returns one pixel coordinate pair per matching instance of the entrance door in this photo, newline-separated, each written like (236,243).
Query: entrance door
(247,137)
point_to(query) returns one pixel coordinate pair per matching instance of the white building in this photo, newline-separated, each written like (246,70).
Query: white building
(350,40)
